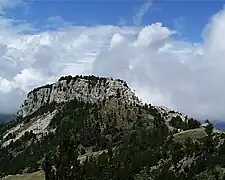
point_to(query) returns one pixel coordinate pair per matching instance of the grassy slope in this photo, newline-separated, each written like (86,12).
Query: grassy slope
(192,133)
(197,133)
(31,176)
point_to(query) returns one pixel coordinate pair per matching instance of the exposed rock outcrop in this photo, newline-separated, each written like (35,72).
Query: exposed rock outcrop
(86,88)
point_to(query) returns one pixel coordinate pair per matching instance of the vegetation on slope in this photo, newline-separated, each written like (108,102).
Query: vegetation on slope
(94,126)
(143,154)
(135,142)
(30,176)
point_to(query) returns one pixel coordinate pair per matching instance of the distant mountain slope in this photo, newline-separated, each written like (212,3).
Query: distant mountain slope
(6,117)
(219,125)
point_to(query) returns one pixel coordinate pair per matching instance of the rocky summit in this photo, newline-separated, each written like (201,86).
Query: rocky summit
(89,89)
(88,127)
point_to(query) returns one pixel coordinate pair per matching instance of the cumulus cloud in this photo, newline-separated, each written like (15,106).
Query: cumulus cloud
(163,70)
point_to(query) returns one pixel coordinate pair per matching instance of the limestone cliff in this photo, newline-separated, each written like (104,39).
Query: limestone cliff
(84,88)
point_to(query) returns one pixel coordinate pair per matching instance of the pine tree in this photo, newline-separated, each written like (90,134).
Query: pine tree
(47,168)
(66,163)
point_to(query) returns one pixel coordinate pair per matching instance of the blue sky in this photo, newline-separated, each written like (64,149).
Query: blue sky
(187,17)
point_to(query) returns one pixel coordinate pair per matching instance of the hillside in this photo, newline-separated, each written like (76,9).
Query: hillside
(84,127)
(31,176)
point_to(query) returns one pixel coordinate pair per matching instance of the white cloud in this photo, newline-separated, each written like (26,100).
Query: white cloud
(164,71)
(6,85)
(142,11)
(116,40)
(28,78)
(153,35)
(56,22)
(8,4)
(122,22)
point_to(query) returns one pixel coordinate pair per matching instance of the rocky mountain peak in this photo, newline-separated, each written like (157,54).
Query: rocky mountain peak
(84,88)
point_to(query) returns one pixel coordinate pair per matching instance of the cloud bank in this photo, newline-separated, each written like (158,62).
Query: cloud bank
(186,76)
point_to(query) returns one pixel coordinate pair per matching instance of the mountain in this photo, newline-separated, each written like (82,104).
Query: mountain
(6,117)
(88,127)
(219,124)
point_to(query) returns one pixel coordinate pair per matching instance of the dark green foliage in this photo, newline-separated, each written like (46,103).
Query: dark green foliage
(209,128)
(136,150)
(140,149)
(6,126)
(83,121)
(47,167)
(11,164)
(92,80)
(192,124)
(118,93)
(66,163)
(122,81)
(177,122)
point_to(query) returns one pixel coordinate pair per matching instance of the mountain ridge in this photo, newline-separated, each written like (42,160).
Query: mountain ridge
(98,118)
(81,87)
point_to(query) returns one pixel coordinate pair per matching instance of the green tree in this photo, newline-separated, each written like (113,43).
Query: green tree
(47,168)
(66,164)
(209,128)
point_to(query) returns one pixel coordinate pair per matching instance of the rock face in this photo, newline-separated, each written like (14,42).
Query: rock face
(84,89)
(87,89)
(98,108)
